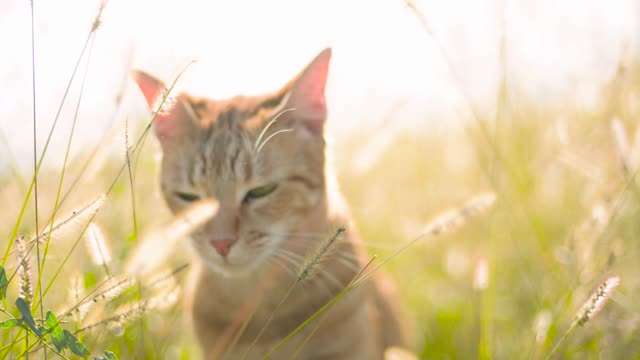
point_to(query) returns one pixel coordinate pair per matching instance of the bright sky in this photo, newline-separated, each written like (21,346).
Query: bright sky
(383,60)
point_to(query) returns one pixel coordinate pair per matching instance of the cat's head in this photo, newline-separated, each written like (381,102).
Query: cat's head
(261,157)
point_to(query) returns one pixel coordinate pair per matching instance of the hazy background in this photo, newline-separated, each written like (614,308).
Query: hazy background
(554,52)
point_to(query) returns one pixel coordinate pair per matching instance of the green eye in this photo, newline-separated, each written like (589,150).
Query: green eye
(259,192)
(187,197)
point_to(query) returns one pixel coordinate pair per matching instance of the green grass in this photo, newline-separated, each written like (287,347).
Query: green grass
(545,255)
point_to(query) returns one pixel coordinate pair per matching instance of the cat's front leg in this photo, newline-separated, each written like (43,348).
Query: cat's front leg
(346,334)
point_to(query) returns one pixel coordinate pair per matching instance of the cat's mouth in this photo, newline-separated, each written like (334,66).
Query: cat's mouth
(235,261)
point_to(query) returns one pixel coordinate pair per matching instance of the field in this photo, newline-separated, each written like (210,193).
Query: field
(533,276)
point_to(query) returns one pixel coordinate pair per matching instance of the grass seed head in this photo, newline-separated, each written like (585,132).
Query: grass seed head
(98,245)
(24,270)
(319,255)
(597,300)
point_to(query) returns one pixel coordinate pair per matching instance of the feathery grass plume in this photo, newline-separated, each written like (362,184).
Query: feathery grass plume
(164,284)
(621,141)
(129,314)
(453,219)
(24,270)
(149,255)
(77,216)
(97,21)
(319,255)
(115,287)
(541,325)
(97,244)
(597,300)
(589,309)
(166,298)
(161,301)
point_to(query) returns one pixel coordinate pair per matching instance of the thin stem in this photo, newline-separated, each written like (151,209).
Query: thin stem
(56,205)
(133,194)
(264,327)
(564,336)
(46,146)
(354,283)
(306,340)
(35,157)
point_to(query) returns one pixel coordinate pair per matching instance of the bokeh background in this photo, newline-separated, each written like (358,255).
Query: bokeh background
(430,103)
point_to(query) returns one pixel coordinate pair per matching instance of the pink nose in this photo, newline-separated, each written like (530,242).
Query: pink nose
(222,246)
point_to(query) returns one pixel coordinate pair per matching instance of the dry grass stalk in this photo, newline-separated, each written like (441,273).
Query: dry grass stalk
(132,312)
(115,288)
(77,216)
(98,246)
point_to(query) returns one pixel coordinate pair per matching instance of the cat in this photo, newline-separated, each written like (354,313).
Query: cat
(263,158)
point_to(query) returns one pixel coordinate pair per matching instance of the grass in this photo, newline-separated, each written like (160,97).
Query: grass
(524,281)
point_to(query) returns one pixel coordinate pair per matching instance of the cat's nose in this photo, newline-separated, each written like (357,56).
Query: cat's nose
(222,246)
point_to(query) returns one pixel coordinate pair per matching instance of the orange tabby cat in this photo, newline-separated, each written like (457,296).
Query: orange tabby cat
(263,159)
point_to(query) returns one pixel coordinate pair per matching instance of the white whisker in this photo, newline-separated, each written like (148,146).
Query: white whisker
(344,260)
(312,236)
(348,264)
(333,279)
(257,146)
(271,136)
(291,253)
(283,254)
(279,261)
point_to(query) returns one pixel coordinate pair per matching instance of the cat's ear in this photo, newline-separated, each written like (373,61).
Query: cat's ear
(306,94)
(175,114)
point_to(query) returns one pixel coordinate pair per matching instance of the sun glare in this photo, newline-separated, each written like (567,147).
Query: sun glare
(383,58)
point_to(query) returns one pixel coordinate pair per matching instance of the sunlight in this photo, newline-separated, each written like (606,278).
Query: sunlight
(383,59)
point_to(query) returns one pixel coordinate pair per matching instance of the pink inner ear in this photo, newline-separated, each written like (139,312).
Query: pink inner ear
(151,87)
(312,86)
(170,115)
(308,94)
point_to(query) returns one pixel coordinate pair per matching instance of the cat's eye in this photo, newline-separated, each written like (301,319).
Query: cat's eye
(187,197)
(259,192)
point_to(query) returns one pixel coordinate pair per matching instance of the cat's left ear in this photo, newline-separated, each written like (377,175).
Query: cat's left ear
(151,88)
(307,93)
(176,114)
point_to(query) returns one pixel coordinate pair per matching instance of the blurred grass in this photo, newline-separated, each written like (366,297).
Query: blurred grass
(566,218)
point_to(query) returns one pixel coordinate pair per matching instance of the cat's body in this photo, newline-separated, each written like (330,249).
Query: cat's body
(263,160)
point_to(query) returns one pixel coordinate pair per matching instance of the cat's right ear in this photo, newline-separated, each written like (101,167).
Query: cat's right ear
(307,93)
(174,115)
